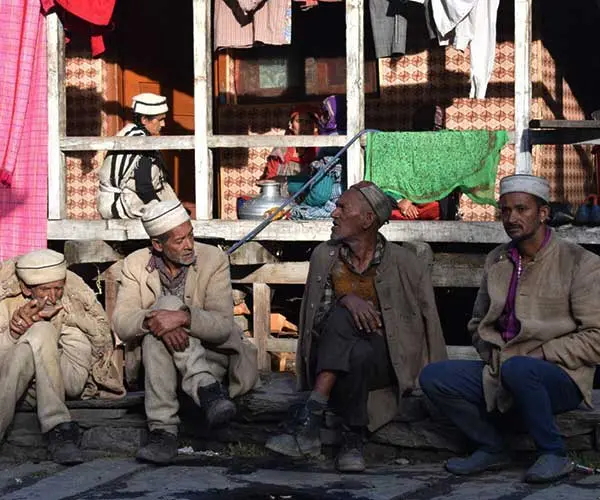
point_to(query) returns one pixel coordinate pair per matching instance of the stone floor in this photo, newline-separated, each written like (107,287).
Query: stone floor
(210,478)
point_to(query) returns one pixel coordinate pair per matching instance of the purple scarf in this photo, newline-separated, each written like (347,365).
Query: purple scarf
(508,323)
(333,115)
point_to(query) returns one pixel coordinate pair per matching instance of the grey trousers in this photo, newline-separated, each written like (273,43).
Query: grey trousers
(161,372)
(46,366)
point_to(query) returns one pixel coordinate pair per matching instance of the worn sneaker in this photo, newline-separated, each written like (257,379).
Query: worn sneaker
(302,438)
(161,448)
(62,444)
(480,461)
(548,468)
(350,458)
(218,408)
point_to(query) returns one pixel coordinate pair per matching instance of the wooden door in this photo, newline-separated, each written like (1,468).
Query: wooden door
(154,46)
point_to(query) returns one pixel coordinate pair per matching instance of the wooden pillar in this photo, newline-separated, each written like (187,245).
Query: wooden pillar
(355,93)
(261,312)
(203,108)
(55,52)
(523,163)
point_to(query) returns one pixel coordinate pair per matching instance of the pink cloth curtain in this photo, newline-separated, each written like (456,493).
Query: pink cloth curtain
(23,128)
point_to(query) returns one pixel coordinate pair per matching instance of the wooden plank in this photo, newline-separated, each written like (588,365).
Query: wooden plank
(448,270)
(565,124)
(202,108)
(56,117)
(261,297)
(523,164)
(355,86)
(565,136)
(287,230)
(290,345)
(184,142)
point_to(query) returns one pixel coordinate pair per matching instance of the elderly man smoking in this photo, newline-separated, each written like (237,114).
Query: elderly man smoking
(55,343)
(175,298)
(368,324)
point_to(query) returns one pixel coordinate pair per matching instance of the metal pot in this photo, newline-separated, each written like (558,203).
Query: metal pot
(269,197)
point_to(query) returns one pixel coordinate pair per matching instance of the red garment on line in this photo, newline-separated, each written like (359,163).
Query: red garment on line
(86,17)
(427,211)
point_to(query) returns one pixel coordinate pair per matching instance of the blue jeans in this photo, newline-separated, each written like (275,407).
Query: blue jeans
(540,390)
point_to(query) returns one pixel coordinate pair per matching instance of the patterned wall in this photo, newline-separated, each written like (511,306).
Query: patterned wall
(85,116)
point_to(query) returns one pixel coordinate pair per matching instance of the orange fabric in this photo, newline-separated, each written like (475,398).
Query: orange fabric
(345,282)
(427,211)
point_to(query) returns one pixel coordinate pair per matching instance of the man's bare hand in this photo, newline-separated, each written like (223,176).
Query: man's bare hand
(364,314)
(176,340)
(26,316)
(162,321)
(50,311)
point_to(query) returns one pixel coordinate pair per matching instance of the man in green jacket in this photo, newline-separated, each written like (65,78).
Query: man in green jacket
(368,325)
(536,326)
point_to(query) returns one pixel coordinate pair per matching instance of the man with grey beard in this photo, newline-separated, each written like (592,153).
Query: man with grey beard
(175,300)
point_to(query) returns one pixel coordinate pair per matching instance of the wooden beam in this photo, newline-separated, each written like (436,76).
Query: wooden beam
(355,94)
(566,124)
(203,108)
(261,298)
(448,270)
(523,164)
(290,345)
(574,136)
(56,117)
(184,142)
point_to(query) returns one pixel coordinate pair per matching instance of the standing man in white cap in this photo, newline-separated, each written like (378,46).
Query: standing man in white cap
(131,179)
(55,343)
(536,326)
(368,325)
(175,300)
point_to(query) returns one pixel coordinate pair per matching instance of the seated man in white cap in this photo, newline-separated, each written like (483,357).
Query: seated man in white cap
(369,324)
(55,343)
(175,299)
(131,179)
(536,326)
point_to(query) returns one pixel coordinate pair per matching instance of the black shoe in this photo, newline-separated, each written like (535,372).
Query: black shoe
(161,448)
(62,444)
(218,408)
(350,458)
(302,436)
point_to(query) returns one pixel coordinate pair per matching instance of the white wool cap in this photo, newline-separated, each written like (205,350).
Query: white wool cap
(149,104)
(41,266)
(524,183)
(159,218)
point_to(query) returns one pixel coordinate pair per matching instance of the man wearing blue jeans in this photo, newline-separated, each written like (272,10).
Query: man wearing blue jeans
(536,326)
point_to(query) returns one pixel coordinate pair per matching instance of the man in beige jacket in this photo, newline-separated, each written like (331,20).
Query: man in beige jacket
(175,300)
(536,326)
(55,343)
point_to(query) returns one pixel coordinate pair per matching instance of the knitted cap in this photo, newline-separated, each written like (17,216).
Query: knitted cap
(41,266)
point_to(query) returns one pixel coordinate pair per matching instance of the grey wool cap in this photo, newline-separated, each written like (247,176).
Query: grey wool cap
(379,201)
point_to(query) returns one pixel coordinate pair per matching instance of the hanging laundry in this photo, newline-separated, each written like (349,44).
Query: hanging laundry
(427,166)
(83,16)
(241,24)
(389,27)
(464,22)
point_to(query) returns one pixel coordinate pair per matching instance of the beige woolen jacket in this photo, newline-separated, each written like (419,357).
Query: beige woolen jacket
(81,310)
(558,305)
(209,298)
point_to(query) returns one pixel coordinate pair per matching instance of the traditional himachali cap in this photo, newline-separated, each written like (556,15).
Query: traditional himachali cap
(159,218)
(378,200)
(149,104)
(524,183)
(41,266)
